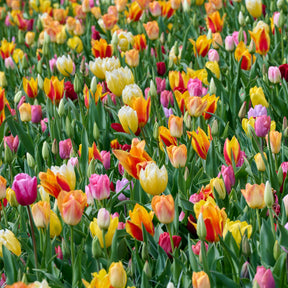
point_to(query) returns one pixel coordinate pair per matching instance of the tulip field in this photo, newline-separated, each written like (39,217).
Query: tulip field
(143,143)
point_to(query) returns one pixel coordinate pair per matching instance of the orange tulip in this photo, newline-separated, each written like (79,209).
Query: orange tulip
(201,141)
(142,108)
(201,46)
(7,48)
(135,12)
(139,42)
(71,206)
(213,217)
(101,49)
(54,89)
(196,106)
(214,22)
(234,147)
(175,125)
(132,57)
(131,160)
(241,52)
(177,155)
(254,195)
(163,206)
(109,20)
(211,105)
(30,87)
(275,141)
(166,138)
(152,30)
(200,280)
(139,216)
(262,39)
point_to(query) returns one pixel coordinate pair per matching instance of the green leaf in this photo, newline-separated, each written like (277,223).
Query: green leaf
(9,266)
(84,153)
(266,243)
(211,162)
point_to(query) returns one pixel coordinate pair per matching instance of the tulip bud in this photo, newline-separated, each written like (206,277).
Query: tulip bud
(268,195)
(244,270)
(20,35)
(214,129)
(252,47)
(170,285)
(280,4)
(54,147)
(3,80)
(40,70)
(212,87)
(260,162)
(77,84)
(201,228)
(93,85)
(146,268)
(45,151)
(240,35)
(17,97)
(68,127)
(156,131)
(144,252)
(285,133)
(30,160)
(153,91)
(195,21)
(246,246)
(187,120)
(45,49)
(96,132)
(284,125)
(91,168)
(61,108)
(242,111)
(82,67)
(280,175)
(176,49)
(186,173)
(40,81)
(24,62)
(103,219)
(39,25)
(285,202)
(65,249)
(114,40)
(96,248)
(8,157)
(247,20)
(241,19)
(281,20)
(162,38)
(276,250)
(11,197)
(209,35)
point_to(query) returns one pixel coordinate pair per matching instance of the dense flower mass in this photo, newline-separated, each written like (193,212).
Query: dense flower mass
(143,143)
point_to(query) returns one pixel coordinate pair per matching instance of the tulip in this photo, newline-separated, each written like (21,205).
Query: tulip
(260,162)
(65,148)
(11,197)
(257,97)
(213,55)
(103,219)
(211,105)
(30,87)
(260,36)
(25,112)
(3,183)
(254,195)
(101,49)
(152,179)
(257,111)
(139,41)
(7,48)
(177,155)
(219,187)
(262,125)
(130,92)
(214,22)
(36,113)
(241,52)
(128,119)
(54,89)
(55,225)
(109,21)
(254,7)
(120,5)
(118,79)
(175,125)
(142,108)
(101,65)
(275,141)
(98,188)
(71,206)
(65,65)
(166,97)
(264,278)
(200,280)
(229,43)
(97,231)
(196,106)
(132,57)
(25,188)
(165,243)
(197,248)
(234,147)
(117,275)
(152,30)
(41,214)
(201,46)
(163,206)
(8,239)
(75,43)
(274,74)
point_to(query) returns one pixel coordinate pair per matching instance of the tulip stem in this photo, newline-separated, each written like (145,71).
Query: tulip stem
(72,246)
(104,243)
(4,213)
(258,220)
(170,235)
(33,239)
(272,222)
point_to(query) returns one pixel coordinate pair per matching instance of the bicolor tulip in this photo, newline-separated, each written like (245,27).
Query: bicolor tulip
(101,49)
(98,188)
(196,106)
(100,65)
(231,147)
(201,46)
(211,106)
(128,119)
(215,22)
(129,94)
(65,65)
(135,12)
(152,30)
(30,87)
(165,138)
(7,48)
(54,89)
(164,208)
(117,275)
(241,52)
(139,41)
(132,57)
(142,108)
(3,183)
(8,239)
(41,214)
(177,155)
(260,36)
(254,195)
(175,125)
(200,280)
(254,7)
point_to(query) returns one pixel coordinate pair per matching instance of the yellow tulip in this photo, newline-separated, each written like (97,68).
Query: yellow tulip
(55,225)
(128,119)
(254,7)
(8,239)
(76,44)
(257,97)
(65,65)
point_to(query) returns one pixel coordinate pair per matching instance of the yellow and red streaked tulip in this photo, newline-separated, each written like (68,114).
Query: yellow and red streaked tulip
(117,275)
(139,216)
(242,52)
(30,87)
(211,105)
(213,217)
(234,147)
(135,12)
(55,225)
(71,206)
(65,65)
(196,106)
(98,94)
(128,119)
(96,231)
(175,125)
(163,207)
(130,160)
(166,9)
(93,152)
(8,239)
(177,155)
(54,89)
(25,112)
(215,22)
(254,7)
(101,49)
(254,195)
(132,57)
(165,138)
(275,141)
(152,30)
(7,48)
(49,182)
(41,214)
(176,80)
(257,96)
(260,36)
(152,179)
(182,100)
(201,46)
(200,279)
(139,42)
(201,141)
(75,43)
(142,108)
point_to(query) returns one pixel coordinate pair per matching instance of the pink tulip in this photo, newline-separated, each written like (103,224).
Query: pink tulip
(213,55)
(106,159)
(166,97)
(65,148)
(161,84)
(274,74)
(264,277)
(36,113)
(12,142)
(262,125)
(228,177)
(229,43)
(194,87)
(98,188)
(196,248)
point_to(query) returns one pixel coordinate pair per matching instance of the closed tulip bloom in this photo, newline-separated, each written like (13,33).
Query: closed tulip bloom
(254,195)
(264,278)
(242,52)
(96,231)
(211,105)
(8,239)
(12,142)
(71,206)
(142,108)
(177,155)
(152,30)
(139,216)
(260,162)
(75,43)
(213,55)
(65,65)
(155,8)
(234,147)
(132,57)
(54,89)
(196,106)
(118,79)
(163,206)
(219,187)
(254,7)
(152,179)
(175,125)
(117,275)
(229,43)
(36,113)
(103,219)
(25,188)
(65,148)
(25,112)
(109,20)
(120,5)
(41,214)
(55,225)
(99,188)
(3,183)
(130,92)
(200,280)
(274,74)
(262,125)
(11,197)
(275,141)
(195,87)
(201,46)
(228,176)
(260,35)
(30,87)
(100,65)
(215,22)
(128,119)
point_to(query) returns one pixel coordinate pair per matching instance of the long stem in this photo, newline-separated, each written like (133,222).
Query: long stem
(170,235)
(4,213)
(72,247)
(33,239)
(258,220)
(104,242)
(272,222)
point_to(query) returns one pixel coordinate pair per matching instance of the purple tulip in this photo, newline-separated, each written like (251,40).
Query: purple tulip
(264,277)
(36,113)
(258,110)
(262,125)
(25,188)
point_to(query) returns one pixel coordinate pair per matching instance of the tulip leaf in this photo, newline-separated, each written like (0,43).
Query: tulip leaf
(223,281)
(84,153)
(76,275)
(211,162)
(192,257)
(266,243)
(9,266)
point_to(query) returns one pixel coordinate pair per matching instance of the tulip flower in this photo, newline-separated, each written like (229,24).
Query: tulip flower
(274,74)
(211,106)
(201,141)
(7,48)
(128,119)
(163,206)
(131,92)
(25,188)
(175,125)
(177,155)
(241,52)
(25,112)
(12,142)
(275,141)
(262,125)
(75,43)
(219,187)
(54,89)
(117,275)
(264,278)
(139,40)
(142,108)
(36,113)
(139,216)
(55,225)
(8,239)
(65,65)
(152,30)
(254,195)
(30,87)
(41,214)
(234,147)
(201,46)
(132,57)
(200,280)
(101,277)
(152,179)
(101,65)
(135,12)
(196,106)
(71,206)
(109,21)
(214,22)
(3,183)
(165,138)
(260,36)
(97,231)
(65,148)
(165,243)
(228,177)
(254,7)
(260,162)
(101,49)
